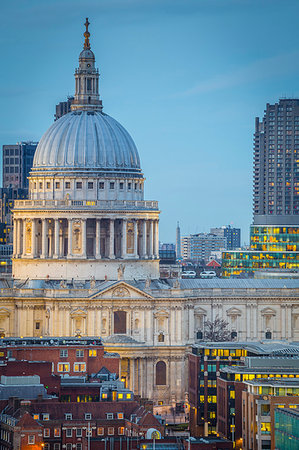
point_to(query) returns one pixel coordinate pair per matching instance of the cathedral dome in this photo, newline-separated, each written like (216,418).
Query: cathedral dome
(86,140)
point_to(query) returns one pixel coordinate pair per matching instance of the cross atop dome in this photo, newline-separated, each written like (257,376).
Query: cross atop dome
(87,35)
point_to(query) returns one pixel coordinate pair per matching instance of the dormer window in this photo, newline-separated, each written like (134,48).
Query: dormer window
(109,416)
(87,416)
(68,416)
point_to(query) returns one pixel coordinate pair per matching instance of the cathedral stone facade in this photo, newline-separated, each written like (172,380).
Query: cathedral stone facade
(86,258)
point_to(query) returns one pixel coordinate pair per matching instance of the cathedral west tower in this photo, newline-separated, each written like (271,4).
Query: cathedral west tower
(86,217)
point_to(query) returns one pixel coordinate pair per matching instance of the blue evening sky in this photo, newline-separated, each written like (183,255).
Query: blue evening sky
(185,77)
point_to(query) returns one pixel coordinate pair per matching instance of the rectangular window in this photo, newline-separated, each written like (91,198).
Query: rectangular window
(87,416)
(35,416)
(109,415)
(79,446)
(56,432)
(111,185)
(110,431)
(68,416)
(120,415)
(67,185)
(121,431)
(57,185)
(68,432)
(79,432)
(79,367)
(79,353)
(40,185)
(63,367)
(37,325)
(79,185)
(46,417)
(90,185)
(69,447)
(129,186)
(121,186)
(46,446)
(63,353)
(101,185)
(135,186)
(56,446)
(48,185)
(31,439)
(100,431)
(92,353)
(46,432)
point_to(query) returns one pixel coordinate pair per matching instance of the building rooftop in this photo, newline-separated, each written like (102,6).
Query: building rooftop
(277,382)
(268,347)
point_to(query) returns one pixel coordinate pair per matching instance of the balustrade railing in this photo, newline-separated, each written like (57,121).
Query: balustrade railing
(88,204)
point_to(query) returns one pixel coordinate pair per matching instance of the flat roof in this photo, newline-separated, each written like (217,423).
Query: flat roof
(277,382)
(259,347)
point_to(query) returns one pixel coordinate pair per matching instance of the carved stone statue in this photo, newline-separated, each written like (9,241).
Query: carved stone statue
(147,283)
(62,284)
(92,282)
(177,284)
(121,271)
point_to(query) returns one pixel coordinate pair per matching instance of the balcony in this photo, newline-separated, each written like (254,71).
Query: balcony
(107,205)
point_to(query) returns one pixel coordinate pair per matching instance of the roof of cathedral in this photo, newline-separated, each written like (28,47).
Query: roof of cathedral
(87,140)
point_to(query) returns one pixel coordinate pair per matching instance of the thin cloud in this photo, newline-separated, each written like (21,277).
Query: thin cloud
(258,70)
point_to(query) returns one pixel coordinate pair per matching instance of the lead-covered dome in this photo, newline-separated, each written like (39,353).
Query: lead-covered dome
(84,140)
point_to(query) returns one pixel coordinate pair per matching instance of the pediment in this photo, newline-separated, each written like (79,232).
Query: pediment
(268,311)
(161,313)
(78,312)
(234,312)
(122,290)
(4,312)
(200,311)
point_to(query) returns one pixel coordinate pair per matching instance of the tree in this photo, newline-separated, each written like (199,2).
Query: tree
(217,330)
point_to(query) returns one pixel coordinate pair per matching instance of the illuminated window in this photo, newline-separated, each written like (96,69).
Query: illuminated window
(100,431)
(79,367)
(121,396)
(57,185)
(56,432)
(92,353)
(46,432)
(46,417)
(110,431)
(121,431)
(63,367)
(120,415)
(129,395)
(31,439)
(105,395)
(232,394)
(35,416)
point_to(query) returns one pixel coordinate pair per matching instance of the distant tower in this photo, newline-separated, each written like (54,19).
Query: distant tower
(178,241)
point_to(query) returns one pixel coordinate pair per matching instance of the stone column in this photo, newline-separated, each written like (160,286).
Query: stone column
(24,237)
(111,240)
(289,321)
(124,239)
(44,253)
(15,221)
(248,321)
(144,240)
(283,322)
(151,239)
(56,238)
(191,324)
(136,238)
(254,322)
(33,238)
(83,237)
(98,239)
(156,239)
(70,238)
(18,238)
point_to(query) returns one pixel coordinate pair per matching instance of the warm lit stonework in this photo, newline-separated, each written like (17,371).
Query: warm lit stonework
(86,259)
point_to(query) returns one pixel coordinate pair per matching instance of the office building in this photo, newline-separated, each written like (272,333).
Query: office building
(232,235)
(63,108)
(197,247)
(178,242)
(260,398)
(274,235)
(286,429)
(16,164)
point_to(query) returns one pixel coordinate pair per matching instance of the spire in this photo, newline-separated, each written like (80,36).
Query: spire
(86,35)
(87,79)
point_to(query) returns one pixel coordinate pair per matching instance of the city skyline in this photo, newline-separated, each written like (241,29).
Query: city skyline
(187,80)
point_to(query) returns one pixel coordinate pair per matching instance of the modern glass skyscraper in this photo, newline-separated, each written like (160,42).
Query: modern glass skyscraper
(274,235)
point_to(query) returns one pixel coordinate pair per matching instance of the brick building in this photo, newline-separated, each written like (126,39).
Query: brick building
(69,356)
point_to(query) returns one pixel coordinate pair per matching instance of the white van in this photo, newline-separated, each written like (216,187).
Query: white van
(208,274)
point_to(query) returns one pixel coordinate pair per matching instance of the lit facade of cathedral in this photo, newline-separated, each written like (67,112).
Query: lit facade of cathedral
(86,258)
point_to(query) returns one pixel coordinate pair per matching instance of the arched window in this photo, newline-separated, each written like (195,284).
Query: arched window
(120,319)
(161,373)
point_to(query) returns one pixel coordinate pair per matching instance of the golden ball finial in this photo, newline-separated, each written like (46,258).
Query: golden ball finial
(86,35)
